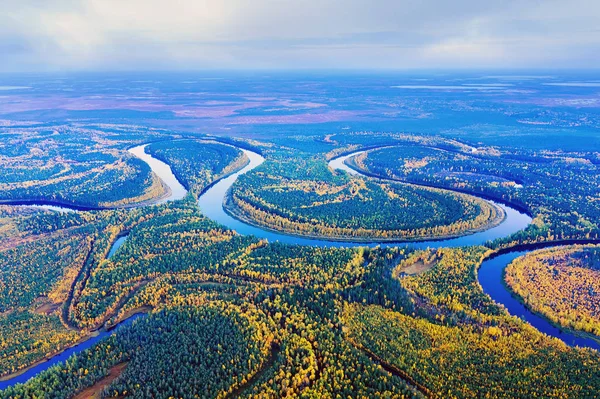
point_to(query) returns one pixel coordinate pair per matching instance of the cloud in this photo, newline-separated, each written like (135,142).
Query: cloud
(390,34)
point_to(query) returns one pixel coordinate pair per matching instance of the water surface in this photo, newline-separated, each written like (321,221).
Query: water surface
(211,205)
(64,355)
(116,245)
(491,278)
(163,171)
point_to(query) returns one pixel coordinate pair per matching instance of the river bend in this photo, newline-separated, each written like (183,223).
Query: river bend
(211,205)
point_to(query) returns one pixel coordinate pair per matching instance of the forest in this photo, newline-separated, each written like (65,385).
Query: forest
(197,164)
(354,325)
(215,314)
(562,284)
(559,189)
(305,197)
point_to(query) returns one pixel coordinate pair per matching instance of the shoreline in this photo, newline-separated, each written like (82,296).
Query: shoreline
(233,211)
(47,358)
(521,299)
(562,328)
(529,248)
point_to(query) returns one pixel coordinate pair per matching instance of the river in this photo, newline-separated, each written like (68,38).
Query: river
(163,171)
(64,355)
(175,191)
(491,279)
(211,205)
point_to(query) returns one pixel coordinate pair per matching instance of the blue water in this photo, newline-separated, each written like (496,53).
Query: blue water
(491,279)
(211,205)
(64,355)
(116,245)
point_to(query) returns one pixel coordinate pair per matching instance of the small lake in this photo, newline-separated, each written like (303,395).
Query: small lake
(116,245)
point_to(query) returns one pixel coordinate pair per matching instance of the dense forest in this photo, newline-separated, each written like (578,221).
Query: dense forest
(561,283)
(222,315)
(305,197)
(196,163)
(559,189)
(224,344)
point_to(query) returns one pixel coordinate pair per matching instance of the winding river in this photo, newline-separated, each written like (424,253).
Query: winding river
(175,190)
(211,204)
(491,279)
(64,355)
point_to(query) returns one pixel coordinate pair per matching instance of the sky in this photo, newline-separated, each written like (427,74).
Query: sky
(98,35)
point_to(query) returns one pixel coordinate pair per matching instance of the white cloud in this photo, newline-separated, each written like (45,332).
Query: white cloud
(164,34)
